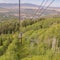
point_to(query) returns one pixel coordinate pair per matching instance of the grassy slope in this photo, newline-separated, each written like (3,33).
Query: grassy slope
(37,42)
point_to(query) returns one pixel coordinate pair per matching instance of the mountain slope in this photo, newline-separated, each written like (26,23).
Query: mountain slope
(41,40)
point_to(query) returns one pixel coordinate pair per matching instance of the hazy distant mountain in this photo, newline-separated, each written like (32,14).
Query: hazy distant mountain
(13,5)
(27,10)
(28,4)
(7,5)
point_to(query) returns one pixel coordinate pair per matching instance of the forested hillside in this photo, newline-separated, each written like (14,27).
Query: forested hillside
(40,39)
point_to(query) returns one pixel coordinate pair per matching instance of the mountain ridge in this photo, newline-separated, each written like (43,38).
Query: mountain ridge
(22,4)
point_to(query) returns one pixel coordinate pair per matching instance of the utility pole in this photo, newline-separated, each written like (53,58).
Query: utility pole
(20,33)
(1,35)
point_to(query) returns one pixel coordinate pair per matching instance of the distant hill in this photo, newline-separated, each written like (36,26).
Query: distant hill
(27,9)
(30,5)
(13,5)
(7,5)
(10,5)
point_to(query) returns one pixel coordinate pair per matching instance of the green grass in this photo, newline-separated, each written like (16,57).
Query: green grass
(37,41)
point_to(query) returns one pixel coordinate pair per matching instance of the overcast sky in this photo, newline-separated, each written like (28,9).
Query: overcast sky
(56,3)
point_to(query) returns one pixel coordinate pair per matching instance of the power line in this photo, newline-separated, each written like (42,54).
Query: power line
(46,8)
(38,8)
(42,8)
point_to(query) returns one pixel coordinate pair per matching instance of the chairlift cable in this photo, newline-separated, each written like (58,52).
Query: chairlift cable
(42,8)
(46,8)
(38,8)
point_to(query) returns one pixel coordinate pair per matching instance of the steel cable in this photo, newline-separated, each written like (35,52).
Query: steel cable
(38,8)
(42,8)
(46,8)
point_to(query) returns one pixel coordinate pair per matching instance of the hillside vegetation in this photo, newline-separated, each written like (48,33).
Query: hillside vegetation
(40,39)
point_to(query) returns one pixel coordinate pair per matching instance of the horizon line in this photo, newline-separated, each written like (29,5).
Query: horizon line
(22,3)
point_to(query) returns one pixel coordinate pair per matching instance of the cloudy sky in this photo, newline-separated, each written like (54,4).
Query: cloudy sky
(56,2)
